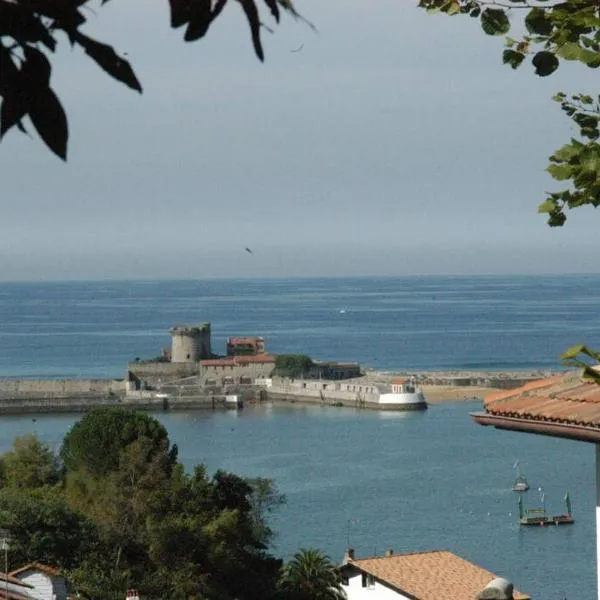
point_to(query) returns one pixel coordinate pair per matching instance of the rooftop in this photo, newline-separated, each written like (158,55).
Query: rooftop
(430,575)
(233,361)
(565,405)
(34,566)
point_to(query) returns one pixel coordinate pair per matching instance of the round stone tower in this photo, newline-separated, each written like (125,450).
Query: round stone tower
(190,344)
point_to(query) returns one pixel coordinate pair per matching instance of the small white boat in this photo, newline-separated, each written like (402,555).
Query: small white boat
(520,484)
(405,395)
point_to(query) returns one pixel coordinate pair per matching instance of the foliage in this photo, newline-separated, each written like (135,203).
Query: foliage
(311,575)
(95,443)
(44,529)
(292,365)
(126,514)
(264,500)
(556,31)
(30,31)
(576,356)
(30,464)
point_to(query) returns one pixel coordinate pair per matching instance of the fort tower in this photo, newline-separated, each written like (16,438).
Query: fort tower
(190,343)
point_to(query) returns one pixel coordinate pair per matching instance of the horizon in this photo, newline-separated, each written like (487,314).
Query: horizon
(308,278)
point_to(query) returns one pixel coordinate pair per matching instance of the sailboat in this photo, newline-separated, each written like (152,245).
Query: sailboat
(538,516)
(520,484)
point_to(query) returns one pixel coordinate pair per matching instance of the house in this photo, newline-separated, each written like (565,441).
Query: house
(421,576)
(47,582)
(12,588)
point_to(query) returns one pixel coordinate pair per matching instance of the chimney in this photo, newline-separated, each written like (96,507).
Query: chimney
(497,589)
(389,552)
(348,556)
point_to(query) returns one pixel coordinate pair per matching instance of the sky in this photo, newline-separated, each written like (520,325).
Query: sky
(393,143)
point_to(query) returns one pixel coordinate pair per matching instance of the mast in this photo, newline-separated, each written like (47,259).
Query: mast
(520,506)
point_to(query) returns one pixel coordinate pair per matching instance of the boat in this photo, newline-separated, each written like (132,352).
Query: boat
(539,517)
(405,394)
(520,484)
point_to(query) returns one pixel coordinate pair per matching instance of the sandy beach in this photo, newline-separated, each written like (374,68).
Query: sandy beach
(435,394)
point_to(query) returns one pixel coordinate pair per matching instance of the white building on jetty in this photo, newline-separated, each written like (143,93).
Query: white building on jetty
(401,394)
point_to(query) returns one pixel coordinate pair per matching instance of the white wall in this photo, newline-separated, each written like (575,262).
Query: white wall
(355,591)
(42,584)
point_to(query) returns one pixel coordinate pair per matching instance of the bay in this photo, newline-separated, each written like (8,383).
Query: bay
(410,482)
(406,481)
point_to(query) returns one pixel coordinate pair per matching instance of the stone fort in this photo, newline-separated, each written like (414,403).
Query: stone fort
(191,359)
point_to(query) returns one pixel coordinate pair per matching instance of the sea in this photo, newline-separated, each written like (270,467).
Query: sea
(352,478)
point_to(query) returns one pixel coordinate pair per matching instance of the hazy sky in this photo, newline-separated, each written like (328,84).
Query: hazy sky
(395,142)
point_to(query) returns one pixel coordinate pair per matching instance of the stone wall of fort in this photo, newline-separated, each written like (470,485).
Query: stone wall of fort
(60,388)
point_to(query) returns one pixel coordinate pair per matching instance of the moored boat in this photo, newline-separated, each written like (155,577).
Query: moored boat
(539,517)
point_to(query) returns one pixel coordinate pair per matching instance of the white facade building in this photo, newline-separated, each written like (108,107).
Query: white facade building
(46,582)
(434,575)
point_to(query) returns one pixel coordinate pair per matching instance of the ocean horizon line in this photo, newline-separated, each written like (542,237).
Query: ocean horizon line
(274,278)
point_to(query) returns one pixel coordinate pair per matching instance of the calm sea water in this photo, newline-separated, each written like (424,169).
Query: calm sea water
(479,323)
(406,481)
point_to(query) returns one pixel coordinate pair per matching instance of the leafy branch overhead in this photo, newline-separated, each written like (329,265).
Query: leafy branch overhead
(29,34)
(555,32)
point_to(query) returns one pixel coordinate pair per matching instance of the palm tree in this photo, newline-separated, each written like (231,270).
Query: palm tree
(311,575)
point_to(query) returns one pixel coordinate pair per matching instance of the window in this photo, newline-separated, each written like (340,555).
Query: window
(368,581)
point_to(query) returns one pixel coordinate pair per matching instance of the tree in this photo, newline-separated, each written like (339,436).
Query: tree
(45,529)
(559,30)
(31,29)
(95,442)
(30,464)
(293,365)
(265,498)
(311,575)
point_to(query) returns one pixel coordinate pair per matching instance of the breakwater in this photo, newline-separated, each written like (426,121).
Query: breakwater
(73,395)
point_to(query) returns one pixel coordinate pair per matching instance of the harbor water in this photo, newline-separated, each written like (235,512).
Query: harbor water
(407,481)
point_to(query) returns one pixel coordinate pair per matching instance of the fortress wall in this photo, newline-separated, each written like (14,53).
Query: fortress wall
(152,372)
(56,388)
(252,370)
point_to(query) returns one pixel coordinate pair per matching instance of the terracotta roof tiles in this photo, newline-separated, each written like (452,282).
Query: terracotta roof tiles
(568,401)
(430,575)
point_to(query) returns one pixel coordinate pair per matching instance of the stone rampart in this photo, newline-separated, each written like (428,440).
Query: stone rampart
(60,388)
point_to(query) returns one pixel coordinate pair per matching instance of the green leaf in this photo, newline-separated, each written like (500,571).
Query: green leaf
(569,51)
(512,58)
(548,206)
(565,153)
(537,22)
(495,22)
(545,63)
(560,172)
(590,58)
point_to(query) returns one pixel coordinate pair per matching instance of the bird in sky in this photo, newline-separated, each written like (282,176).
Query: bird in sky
(298,48)
(249,251)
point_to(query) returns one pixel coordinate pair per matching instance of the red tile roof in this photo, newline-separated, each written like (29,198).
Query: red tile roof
(34,566)
(568,405)
(430,575)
